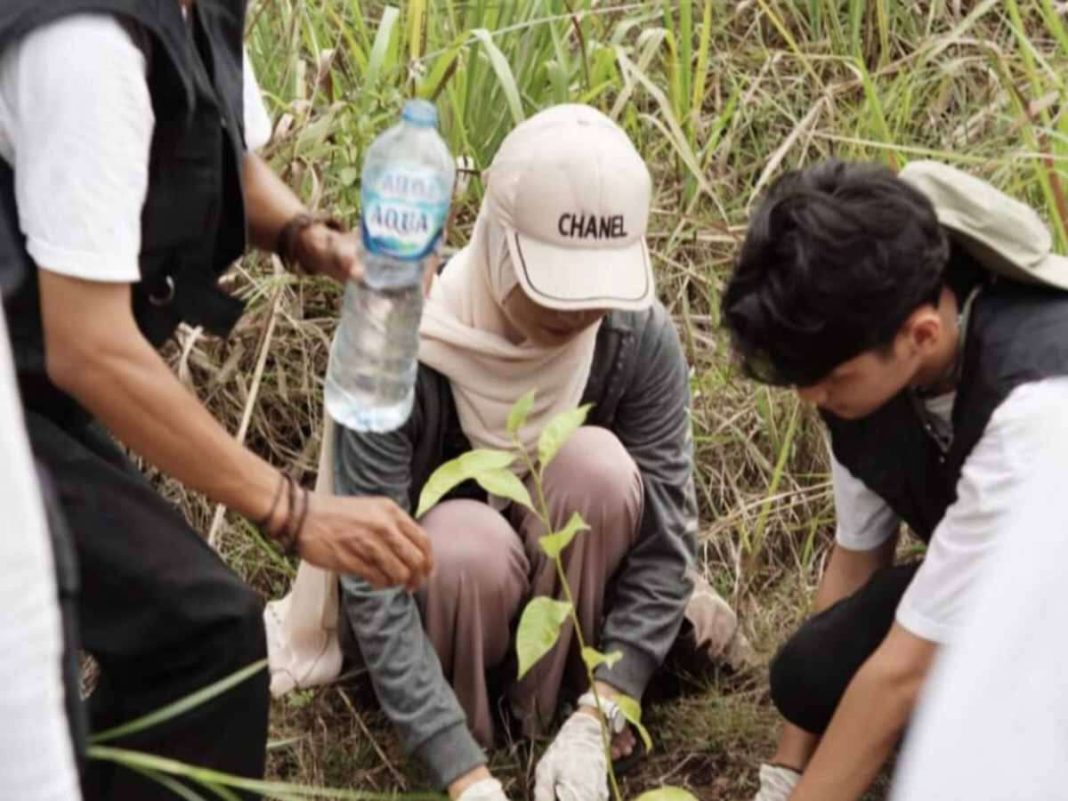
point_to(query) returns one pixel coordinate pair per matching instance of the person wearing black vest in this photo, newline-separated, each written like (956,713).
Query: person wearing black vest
(128,184)
(924,315)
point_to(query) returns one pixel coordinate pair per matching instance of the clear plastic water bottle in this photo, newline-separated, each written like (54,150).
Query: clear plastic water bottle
(406,186)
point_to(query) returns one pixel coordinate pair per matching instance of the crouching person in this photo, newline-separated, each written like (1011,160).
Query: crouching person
(923,314)
(555,293)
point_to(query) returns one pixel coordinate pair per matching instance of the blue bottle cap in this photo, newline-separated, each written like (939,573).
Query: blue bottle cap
(421,113)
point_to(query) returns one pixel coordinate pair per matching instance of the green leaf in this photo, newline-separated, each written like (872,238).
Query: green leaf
(539,629)
(517,418)
(505,484)
(504,73)
(180,790)
(558,432)
(224,793)
(313,135)
(416,16)
(484,459)
(455,472)
(444,66)
(632,711)
(377,63)
(554,544)
(348,176)
(594,658)
(445,478)
(666,794)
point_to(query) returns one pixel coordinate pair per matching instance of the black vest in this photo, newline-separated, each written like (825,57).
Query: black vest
(193,220)
(1016,334)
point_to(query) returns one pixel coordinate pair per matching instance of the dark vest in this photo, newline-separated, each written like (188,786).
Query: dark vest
(1016,334)
(193,220)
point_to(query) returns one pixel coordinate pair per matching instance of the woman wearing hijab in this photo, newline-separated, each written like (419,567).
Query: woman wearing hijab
(554,293)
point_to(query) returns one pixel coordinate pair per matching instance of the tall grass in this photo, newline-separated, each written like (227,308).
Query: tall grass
(720,96)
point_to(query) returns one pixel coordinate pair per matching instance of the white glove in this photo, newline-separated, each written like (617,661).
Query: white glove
(574,768)
(776,783)
(483,790)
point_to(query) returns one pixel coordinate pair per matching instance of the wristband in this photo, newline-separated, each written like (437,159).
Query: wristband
(265,521)
(609,710)
(286,245)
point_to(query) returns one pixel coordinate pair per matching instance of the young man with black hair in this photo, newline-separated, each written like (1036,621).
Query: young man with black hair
(923,314)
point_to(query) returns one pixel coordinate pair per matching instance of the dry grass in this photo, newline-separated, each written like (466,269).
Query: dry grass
(720,97)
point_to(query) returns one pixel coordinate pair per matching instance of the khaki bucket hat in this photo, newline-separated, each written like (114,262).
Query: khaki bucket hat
(1003,234)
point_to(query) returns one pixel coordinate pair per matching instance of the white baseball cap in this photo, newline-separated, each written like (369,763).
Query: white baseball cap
(573,196)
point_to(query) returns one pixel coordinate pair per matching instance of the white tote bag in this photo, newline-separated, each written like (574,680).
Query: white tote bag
(302,638)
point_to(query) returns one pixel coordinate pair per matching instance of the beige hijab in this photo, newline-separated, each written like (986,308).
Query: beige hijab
(463,337)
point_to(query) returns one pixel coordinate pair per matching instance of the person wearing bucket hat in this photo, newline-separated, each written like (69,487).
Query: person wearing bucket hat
(555,293)
(924,314)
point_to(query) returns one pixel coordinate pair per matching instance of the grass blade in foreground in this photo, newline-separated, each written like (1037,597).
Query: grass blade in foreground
(181,706)
(136,760)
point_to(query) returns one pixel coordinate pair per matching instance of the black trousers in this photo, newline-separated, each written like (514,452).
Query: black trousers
(810,673)
(160,612)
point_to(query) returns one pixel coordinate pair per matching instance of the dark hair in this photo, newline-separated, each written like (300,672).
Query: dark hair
(836,258)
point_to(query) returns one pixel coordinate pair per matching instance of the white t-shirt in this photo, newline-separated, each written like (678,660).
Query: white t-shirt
(36,758)
(1001,467)
(76,123)
(992,722)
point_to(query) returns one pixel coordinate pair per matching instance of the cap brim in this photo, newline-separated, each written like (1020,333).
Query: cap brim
(1053,269)
(1050,270)
(575,279)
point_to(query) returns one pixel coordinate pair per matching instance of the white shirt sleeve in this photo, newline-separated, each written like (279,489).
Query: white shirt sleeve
(79,120)
(76,123)
(36,758)
(864,520)
(257,121)
(1000,469)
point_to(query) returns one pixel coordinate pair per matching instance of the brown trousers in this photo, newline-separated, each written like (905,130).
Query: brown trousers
(489,566)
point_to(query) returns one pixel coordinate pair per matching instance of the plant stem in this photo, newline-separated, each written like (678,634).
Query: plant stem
(606,735)
(543,514)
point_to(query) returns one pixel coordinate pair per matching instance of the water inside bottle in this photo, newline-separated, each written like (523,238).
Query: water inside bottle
(375,392)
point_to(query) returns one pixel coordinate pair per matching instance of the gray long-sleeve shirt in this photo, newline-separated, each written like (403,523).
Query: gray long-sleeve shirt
(640,390)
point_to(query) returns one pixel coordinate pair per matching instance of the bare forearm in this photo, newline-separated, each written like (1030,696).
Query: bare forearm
(95,352)
(869,720)
(847,571)
(834,586)
(859,741)
(269,203)
(131,391)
